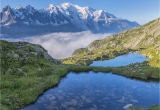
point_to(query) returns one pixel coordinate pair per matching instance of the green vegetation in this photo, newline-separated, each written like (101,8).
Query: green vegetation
(27,70)
(145,39)
(156,107)
(142,71)
(154,56)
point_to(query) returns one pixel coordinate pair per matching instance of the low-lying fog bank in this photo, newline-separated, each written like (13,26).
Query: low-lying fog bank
(61,45)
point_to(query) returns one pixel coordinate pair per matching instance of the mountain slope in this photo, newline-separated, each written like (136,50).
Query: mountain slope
(145,38)
(17,54)
(27,71)
(60,18)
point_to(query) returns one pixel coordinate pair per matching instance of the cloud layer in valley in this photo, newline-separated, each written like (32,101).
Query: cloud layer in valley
(61,45)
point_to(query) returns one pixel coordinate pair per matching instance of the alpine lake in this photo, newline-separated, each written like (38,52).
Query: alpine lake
(100,91)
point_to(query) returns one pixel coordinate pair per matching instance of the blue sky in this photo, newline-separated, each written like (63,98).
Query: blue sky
(141,11)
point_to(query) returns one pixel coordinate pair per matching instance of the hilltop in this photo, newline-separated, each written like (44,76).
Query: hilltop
(145,39)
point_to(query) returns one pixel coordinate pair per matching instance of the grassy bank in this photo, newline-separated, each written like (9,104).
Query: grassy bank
(27,70)
(155,107)
(19,90)
(144,39)
(141,71)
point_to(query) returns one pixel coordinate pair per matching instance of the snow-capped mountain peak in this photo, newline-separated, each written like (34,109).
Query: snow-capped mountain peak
(66,4)
(66,16)
(7,10)
(51,6)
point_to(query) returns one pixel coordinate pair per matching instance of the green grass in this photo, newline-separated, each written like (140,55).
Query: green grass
(145,39)
(142,71)
(18,90)
(27,70)
(155,107)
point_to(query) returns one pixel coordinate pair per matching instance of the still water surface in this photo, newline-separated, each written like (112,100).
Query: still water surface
(99,91)
(122,60)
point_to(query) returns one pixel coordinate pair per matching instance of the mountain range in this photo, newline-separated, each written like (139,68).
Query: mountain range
(65,17)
